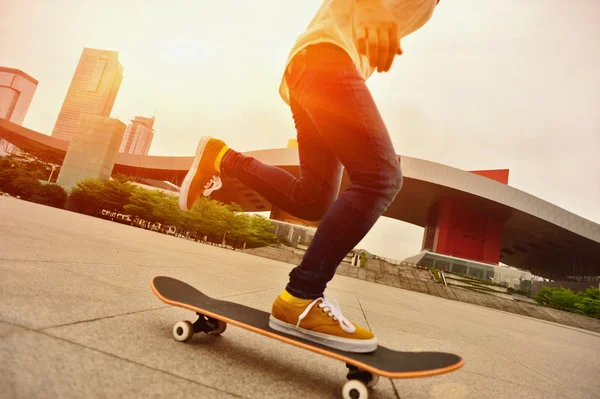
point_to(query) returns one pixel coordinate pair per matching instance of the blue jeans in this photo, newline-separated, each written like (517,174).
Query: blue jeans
(337,123)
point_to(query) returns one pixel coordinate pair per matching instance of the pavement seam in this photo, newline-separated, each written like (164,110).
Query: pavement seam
(99,318)
(136,363)
(396,393)
(362,310)
(13,325)
(368,325)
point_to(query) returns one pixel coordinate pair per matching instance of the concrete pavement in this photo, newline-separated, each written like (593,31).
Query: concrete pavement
(78,319)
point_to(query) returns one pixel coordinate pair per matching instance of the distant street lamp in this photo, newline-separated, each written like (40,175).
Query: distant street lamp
(51,173)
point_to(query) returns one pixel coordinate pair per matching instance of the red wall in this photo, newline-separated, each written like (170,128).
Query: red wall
(455,229)
(500,175)
(429,236)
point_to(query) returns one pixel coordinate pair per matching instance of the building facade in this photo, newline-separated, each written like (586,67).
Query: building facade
(479,217)
(16,92)
(138,136)
(93,90)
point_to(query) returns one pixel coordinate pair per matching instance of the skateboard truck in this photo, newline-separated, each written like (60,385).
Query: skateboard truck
(205,324)
(354,373)
(358,382)
(184,330)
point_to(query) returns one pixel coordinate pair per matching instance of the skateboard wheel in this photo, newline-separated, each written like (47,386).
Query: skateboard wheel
(222,326)
(183,330)
(355,389)
(374,380)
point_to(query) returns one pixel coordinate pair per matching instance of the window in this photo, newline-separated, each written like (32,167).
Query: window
(96,75)
(459,268)
(442,265)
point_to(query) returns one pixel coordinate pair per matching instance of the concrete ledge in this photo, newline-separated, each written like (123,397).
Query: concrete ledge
(419,280)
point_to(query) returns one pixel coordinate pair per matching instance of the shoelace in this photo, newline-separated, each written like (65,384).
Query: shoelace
(213,184)
(333,310)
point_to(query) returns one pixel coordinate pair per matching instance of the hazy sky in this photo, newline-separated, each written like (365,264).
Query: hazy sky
(485,84)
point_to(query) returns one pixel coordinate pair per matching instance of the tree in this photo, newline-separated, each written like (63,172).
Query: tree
(92,195)
(261,232)
(142,204)
(207,217)
(52,194)
(5,163)
(17,181)
(587,302)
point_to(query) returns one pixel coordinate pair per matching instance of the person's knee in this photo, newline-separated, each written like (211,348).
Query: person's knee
(391,182)
(315,210)
(397,179)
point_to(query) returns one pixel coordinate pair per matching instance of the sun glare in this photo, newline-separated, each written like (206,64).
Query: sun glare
(183,51)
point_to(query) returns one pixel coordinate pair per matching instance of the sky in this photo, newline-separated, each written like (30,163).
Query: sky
(483,85)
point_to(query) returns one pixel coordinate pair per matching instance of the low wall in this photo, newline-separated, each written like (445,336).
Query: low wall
(413,278)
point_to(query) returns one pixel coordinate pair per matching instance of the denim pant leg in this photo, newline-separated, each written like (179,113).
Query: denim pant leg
(307,196)
(340,106)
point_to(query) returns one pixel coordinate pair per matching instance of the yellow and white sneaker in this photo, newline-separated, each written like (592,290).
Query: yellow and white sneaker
(204,177)
(321,321)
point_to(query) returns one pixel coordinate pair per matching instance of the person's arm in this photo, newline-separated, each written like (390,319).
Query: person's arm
(377,33)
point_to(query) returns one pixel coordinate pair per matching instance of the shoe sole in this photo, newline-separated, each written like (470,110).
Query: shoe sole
(187,182)
(343,344)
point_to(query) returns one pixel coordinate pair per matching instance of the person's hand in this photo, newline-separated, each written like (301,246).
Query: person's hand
(377,33)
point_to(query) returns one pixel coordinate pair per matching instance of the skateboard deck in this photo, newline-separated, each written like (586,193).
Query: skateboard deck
(215,314)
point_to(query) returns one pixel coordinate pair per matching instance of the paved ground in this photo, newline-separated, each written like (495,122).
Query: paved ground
(78,319)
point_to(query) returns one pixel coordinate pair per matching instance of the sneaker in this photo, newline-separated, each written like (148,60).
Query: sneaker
(204,177)
(319,321)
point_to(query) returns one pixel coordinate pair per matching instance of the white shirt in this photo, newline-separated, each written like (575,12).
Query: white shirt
(334,23)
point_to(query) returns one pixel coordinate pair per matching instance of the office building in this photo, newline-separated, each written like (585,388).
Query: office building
(138,136)
(16,92)
(93,90)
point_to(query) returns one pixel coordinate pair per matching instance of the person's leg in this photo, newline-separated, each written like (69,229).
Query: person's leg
(306,197)
(336,98)
(340,106)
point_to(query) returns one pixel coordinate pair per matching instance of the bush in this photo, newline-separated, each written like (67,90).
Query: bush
(52,194)
(363,259)
(436,274)
(587,303)
(18,182)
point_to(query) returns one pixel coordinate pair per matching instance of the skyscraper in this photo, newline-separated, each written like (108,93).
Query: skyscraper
(138,136)
(16,92)
(93,90)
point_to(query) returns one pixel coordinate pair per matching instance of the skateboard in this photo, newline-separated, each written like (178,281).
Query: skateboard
(364,369)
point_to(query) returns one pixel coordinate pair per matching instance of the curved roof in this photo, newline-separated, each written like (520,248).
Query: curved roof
(538,236)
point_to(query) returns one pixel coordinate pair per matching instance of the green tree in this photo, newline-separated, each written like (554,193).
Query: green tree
(92,195)
(207,217)
(587,302)
(17,181)
(142,204)
(166,210)
(5,163)
(261,232)
(52,194)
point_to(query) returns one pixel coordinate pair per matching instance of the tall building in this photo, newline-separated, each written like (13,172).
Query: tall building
(16,92)
(138,136)
(93,90)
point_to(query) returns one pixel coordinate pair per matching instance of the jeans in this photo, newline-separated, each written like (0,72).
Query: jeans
(337,123)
